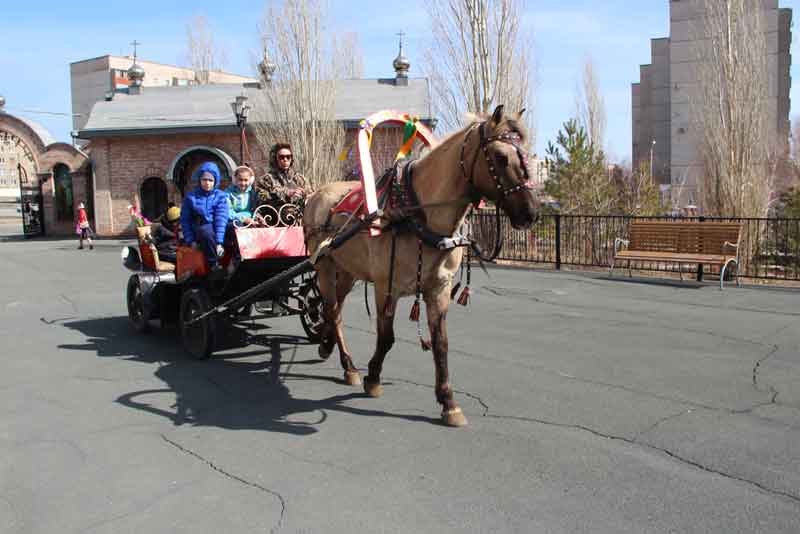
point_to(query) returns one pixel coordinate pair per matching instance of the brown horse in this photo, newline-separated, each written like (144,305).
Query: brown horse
(484,160)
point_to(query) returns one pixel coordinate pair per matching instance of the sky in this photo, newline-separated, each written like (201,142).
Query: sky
(40,40)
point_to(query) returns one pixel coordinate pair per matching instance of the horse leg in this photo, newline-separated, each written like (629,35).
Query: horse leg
(344,283)
(326,279)
(385,322)
(436,304)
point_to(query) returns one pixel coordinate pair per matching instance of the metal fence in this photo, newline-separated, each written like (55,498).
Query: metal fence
(769,249)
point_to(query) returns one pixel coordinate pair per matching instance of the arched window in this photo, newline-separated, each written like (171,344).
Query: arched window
(64,200)
(154,198)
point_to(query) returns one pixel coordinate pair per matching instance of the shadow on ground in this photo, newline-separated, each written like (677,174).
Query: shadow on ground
(233,391)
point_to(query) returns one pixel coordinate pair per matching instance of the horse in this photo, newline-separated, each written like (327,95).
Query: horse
(484,160)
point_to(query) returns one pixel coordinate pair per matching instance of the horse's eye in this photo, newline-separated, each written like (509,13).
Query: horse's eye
(501,159)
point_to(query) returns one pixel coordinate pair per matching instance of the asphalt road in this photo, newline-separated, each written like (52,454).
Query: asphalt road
(595,406)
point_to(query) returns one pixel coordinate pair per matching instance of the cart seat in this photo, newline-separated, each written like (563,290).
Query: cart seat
(149,252)
(275,242)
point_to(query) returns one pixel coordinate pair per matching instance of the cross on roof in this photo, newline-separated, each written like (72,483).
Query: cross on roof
(135,43)
(401,33)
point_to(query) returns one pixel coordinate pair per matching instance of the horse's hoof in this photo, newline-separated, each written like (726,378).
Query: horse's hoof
(454,417)
(352,378)
(373,389)
(324,353)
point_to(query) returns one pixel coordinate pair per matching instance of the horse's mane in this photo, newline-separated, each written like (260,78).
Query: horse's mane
(509,122)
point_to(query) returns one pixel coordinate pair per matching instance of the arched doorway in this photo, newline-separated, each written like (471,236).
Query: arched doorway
(62,181)
(153,194)
(190,159)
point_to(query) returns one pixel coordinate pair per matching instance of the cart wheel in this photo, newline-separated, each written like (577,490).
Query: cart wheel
(137,312)
(199,337)
(312,318)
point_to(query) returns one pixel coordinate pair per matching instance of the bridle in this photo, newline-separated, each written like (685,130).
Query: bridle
(512,138)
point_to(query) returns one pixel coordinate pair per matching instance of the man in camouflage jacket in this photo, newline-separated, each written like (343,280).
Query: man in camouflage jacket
(281,185)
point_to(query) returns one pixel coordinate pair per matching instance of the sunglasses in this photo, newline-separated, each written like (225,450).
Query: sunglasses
(284,156)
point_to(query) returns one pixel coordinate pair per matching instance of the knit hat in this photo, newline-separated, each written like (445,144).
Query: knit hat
(173,214)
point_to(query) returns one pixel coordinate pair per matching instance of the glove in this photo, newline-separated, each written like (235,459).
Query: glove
(220,251)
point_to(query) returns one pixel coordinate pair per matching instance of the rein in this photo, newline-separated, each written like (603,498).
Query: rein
(513,139)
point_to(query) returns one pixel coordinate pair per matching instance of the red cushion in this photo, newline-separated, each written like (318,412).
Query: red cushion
(280,242)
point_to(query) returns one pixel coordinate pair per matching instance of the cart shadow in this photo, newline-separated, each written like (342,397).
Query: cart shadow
(233,391)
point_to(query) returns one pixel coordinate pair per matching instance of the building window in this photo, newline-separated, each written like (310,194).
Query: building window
(63,183)
(154,198)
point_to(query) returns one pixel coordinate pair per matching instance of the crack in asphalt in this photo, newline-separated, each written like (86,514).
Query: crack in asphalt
(472,396)
(69,301)
(511,293)
(661,422)
(758,363)
(138,510)
(415,343)
(680,302)
(639,443)
(632,441)
(236,478)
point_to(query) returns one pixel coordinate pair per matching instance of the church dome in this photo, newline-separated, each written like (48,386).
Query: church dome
(136,73)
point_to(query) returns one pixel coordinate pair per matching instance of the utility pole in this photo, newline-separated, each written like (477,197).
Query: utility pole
(652,146)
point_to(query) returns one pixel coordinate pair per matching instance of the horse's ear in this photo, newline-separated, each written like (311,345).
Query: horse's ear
(519,115)
(497,116)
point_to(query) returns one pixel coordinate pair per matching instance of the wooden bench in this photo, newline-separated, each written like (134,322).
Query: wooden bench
(708,242)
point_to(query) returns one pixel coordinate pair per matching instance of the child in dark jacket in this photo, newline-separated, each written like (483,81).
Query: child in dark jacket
(168,234)
(204,213)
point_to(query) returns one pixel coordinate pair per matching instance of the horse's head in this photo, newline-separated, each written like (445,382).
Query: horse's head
(500,167)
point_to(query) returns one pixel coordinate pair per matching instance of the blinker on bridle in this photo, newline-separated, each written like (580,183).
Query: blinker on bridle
(512,138)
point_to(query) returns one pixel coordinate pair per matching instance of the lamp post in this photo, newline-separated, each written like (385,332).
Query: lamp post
(652,146)
(240,109)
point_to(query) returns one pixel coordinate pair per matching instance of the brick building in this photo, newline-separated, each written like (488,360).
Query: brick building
(56,175)
(145,143)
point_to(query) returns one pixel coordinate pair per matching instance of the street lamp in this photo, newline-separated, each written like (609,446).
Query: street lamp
(652,146)
(240,109)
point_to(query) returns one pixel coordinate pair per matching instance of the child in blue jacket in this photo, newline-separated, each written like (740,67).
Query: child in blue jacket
(204,213)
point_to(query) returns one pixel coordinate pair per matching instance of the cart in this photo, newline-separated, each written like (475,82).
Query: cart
(265,274)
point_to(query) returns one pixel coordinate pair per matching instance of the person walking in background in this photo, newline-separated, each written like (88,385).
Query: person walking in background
(83,229)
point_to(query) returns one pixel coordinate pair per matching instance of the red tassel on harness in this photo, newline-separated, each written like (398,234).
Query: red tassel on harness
(388,306)
(426,344)
(454,291)
(463,299)
(414,316)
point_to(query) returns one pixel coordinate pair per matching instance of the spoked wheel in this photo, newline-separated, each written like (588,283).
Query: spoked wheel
(198,337)
(137,311)
(311,318)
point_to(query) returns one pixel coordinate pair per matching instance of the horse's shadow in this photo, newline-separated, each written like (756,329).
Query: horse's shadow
(236,391)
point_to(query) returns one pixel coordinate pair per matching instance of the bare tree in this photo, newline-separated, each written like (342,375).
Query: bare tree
(736,141)
(590,105)
(348,52)
(203,54)
(637,193)
(297,103)
(479,56)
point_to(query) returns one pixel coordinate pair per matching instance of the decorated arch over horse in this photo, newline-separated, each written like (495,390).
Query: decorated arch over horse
(413,130)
